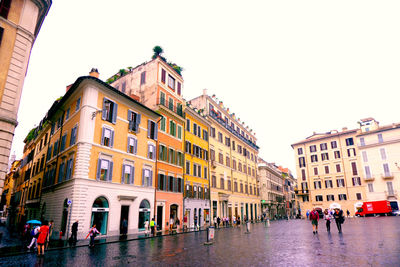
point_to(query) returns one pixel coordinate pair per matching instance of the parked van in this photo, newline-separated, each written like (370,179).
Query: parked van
(375,208)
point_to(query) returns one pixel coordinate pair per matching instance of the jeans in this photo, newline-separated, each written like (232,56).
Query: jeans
(328,225)
(339,226)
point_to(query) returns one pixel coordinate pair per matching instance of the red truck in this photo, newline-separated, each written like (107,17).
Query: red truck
(374,208)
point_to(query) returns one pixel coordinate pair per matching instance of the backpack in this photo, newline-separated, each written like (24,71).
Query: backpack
(33,232)
(313,215)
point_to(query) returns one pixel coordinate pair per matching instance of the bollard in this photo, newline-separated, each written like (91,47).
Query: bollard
(247,228)
(210,235)
(268,222)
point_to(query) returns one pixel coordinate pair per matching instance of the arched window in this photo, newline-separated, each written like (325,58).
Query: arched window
(100,210)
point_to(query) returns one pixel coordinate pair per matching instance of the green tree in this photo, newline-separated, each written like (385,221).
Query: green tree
(157,51)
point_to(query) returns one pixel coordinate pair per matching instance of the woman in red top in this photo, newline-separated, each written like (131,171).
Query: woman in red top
(43,232)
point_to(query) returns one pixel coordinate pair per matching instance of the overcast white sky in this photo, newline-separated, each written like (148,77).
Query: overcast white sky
(286,68)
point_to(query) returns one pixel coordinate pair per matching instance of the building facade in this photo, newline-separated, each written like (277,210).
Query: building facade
(233,162)
(159,87)
(379,148)
(20,22)
(196,200)
(100,160)
(329,171)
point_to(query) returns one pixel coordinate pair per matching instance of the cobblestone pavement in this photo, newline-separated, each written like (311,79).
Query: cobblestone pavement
(364,242)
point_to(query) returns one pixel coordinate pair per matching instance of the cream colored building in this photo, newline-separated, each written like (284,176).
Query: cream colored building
(233,162)
(20,22)
(329,171)
(379,148)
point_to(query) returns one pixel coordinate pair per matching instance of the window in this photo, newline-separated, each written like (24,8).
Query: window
(61,172)
(371,187)
(162,153)
(151,151)
(302,162)
(342,197)
(364,156)
(362,141)
(390,188)
(172,128)
(314,158)
(5,8)
(171,156)
(234,164)
(241,188)
(163,75)
(212,132)
(179,88)
(194,169)
(132,145)
(171,104)
(324,156)
(70,163)
(386,170)
(152,130)
(333,144)
(205,135)
(380,138)
(78,104)
(356,181)
(1,33)
(323,146)
(367,172)
(349,141)
(317,184)
(205,172)
(220,158)
(212,154)
(142,78)
(300,151)
(303,174)
(340,182)
(338,169)
(318,198)
(109,110)
(220,137)
(228,161)
(358,196)
(147,177)
(337,154)
(351,152)
(330,197)
(162,98)
(227,141)
(315,171)
(72,140)
(221,183)
(354,168)
(162,182)
(163,122)
(179,132)
(104,170)
(383,153)
(188,125)
(188,167)
(171,82)
(214,181)
(67,114)
(134,121)
(127,174)
(328,184)
(107,137)
(326,169)
(313,148)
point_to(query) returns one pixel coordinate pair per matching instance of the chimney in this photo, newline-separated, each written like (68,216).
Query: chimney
(344,129)
(227,110)
(204,91)
(221,104)
(135,97)
(94,73)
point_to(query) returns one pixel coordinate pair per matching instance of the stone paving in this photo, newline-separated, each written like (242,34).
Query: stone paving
(364,242)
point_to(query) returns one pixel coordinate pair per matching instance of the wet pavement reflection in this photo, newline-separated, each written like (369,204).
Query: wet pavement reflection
(364,242)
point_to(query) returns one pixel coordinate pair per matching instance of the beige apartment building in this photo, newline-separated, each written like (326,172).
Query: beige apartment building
(20,22)
(379,148)
(329,171)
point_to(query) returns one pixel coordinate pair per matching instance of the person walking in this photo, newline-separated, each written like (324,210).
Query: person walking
(348,213)
(218,221)
(215,222)
(35,235)
(124,227)
(153,227)
(146,228)
(93,232)
(74,231)
(314,218)
(328,217)
(339,218)
(43,233)
(51,227)
(238,221)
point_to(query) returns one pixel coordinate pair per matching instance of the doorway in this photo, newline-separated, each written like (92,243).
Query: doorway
(123,226)
(144,214)
(159,217)
(64,217)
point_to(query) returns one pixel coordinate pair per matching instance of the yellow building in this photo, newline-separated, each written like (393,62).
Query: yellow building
(379,148)
(233,162)
(9,187)
(196,200)
(329,171)
(100,161)
(20,22)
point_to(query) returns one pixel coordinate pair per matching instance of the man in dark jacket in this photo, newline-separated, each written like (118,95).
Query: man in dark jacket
(339,219)
(74,231)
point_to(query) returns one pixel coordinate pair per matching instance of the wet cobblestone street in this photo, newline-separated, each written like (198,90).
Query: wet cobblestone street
(364,242)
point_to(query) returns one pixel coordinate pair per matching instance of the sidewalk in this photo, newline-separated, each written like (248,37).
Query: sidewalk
(16,249)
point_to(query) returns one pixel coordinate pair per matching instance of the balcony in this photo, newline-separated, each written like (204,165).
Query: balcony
(369,178)
(391,193)
(301,192)
(217,118)
(174,108)
(387,176)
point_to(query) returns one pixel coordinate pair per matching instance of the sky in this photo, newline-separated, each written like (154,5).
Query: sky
(285,68)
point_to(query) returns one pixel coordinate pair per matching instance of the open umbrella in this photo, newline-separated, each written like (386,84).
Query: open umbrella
(335,206)
(34,222)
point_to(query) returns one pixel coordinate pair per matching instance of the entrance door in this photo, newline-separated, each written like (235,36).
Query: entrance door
(123,226)
(200,219)
(159,217)
(144,214)
(230,213)
(64,218)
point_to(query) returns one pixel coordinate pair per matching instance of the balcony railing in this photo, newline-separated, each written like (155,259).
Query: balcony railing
(174,108)
(391,193)
(387,175)
(215,116)
(369,178)
(301,192)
